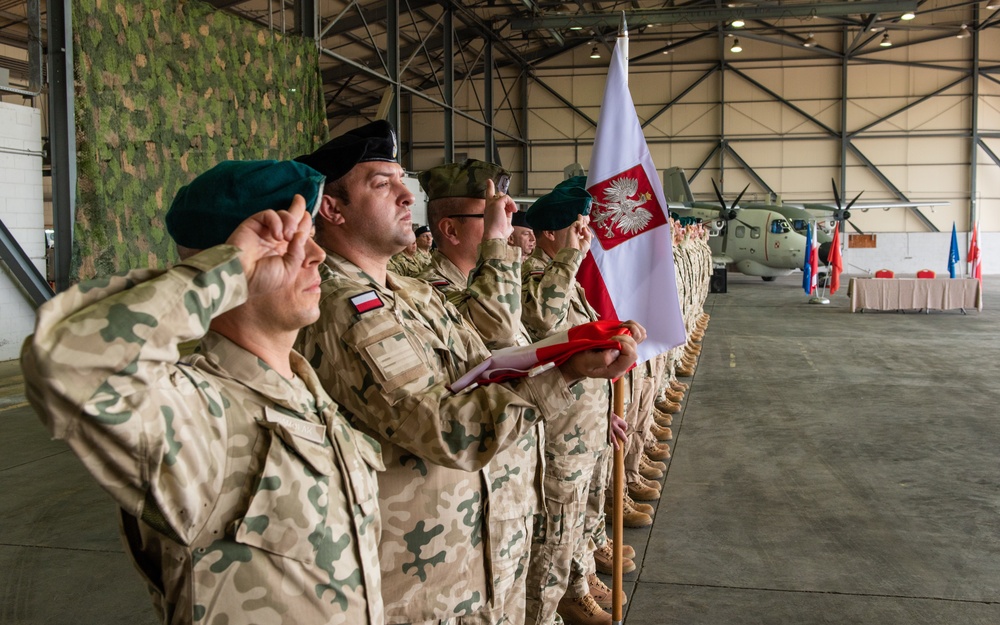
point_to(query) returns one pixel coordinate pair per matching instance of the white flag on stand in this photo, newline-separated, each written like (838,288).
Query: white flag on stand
(629,272)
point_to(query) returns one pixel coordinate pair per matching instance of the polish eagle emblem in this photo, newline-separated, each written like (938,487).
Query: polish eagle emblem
(624,206)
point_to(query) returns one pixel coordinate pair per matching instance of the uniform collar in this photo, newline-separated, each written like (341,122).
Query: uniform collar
(448,270)
(338,264)
(230,360)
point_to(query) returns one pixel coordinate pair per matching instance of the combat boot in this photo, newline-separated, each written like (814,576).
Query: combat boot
(582,611)
(667,406)
(648,471)
(685,372)
(662,419)
(627,550)
(693,348)
(641,492)
(674,396)
(656,464)
(641,508)
(661,433)
(658,452)
(603,559)
(601,593)
(677,385)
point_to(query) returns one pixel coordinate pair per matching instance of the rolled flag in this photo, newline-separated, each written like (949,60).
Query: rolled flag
(807,269)
(521,361)
(953,256)
(836,262)
(973,258)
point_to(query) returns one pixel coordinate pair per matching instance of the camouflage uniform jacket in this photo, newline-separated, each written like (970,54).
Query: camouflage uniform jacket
(406,265)
(245,497)
(554,301)
(492,304)
(387,354)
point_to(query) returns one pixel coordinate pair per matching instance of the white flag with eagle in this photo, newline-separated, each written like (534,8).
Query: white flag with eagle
(629,272)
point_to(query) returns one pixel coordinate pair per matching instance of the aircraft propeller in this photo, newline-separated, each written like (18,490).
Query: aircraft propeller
(728,214)
(843,212)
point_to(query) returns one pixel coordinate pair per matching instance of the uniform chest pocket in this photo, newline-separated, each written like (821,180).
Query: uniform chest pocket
(391,353)
(293,498)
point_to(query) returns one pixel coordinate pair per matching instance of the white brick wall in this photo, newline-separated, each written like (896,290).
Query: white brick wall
(21,208)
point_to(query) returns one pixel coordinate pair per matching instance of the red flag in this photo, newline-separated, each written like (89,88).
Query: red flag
(629,272)
(836,262)
(975,262)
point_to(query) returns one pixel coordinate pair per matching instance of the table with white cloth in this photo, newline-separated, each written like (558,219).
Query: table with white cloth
(915,294)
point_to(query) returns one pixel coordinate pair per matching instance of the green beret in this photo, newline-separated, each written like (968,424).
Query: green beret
(205,212)
(520,218)
(466,179)
(560,208)
(372,142)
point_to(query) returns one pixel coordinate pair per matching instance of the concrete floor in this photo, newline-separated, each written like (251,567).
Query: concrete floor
(828,468)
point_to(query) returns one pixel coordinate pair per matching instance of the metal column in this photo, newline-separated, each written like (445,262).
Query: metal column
(449,85)
(392,59)
(974,149)
(306,19)
(62,136)
(526,145)
(489,140)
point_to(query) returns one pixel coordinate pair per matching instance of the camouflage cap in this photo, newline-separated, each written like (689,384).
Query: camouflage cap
(205,212)
(372,142)
(559,208)
(466,179)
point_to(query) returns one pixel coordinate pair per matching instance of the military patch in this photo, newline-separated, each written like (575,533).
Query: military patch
(366,301)
(393,356)
(440,284)
(537,273)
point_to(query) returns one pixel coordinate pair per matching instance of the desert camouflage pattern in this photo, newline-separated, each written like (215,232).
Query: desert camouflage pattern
(562,548)
(490,299)
(389,367)
(245,497)
(405,265)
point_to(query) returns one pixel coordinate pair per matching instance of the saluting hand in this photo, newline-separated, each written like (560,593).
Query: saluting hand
(580,234)
(499,210)
(273,244)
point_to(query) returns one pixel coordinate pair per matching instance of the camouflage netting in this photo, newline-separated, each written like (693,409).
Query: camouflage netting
(165,89)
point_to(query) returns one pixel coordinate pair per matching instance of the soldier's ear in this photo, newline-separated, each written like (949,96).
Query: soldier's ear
(330,210)
(446,226)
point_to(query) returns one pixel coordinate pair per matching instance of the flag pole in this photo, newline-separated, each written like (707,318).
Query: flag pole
(618,472)
(617,524)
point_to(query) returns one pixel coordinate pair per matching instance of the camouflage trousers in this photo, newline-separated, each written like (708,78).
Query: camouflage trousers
(594,526)
(640,420)
(510,544)
(559,545)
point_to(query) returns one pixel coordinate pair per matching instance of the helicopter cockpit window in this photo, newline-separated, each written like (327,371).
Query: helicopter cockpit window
(779,226)
(741,231)
(754,232)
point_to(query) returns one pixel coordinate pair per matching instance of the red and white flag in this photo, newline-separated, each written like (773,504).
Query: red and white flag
(518,362)
(975,262)
(836,261)
(629,272)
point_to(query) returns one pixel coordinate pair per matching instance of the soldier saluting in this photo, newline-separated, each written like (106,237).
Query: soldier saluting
(245,496)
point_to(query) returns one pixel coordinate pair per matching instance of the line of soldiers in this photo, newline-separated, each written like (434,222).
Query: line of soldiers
(343,481)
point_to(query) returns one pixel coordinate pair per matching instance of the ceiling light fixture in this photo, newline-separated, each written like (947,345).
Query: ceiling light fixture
(595,53)
(963,32)
(736,47)
(909,15)
(809,42)
(885,43)
(576,27)
(739,23)
(670,42)
(993,5)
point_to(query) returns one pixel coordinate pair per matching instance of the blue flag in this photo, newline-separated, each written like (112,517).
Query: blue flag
(953,256)
(807,269)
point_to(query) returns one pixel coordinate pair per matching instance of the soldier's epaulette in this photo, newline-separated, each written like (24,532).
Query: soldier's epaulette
(367,301)
(440,284)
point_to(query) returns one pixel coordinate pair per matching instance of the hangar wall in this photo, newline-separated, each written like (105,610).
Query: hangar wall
(908,111)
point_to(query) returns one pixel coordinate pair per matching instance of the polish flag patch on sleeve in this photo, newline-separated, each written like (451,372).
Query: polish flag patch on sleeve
(369,300)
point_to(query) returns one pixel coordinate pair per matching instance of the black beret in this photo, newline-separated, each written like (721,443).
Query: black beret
(520,218)
(205,212)
(372,142)
(559,208)
(421,230)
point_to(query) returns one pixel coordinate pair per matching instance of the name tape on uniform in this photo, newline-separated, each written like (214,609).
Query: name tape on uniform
(314,432)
